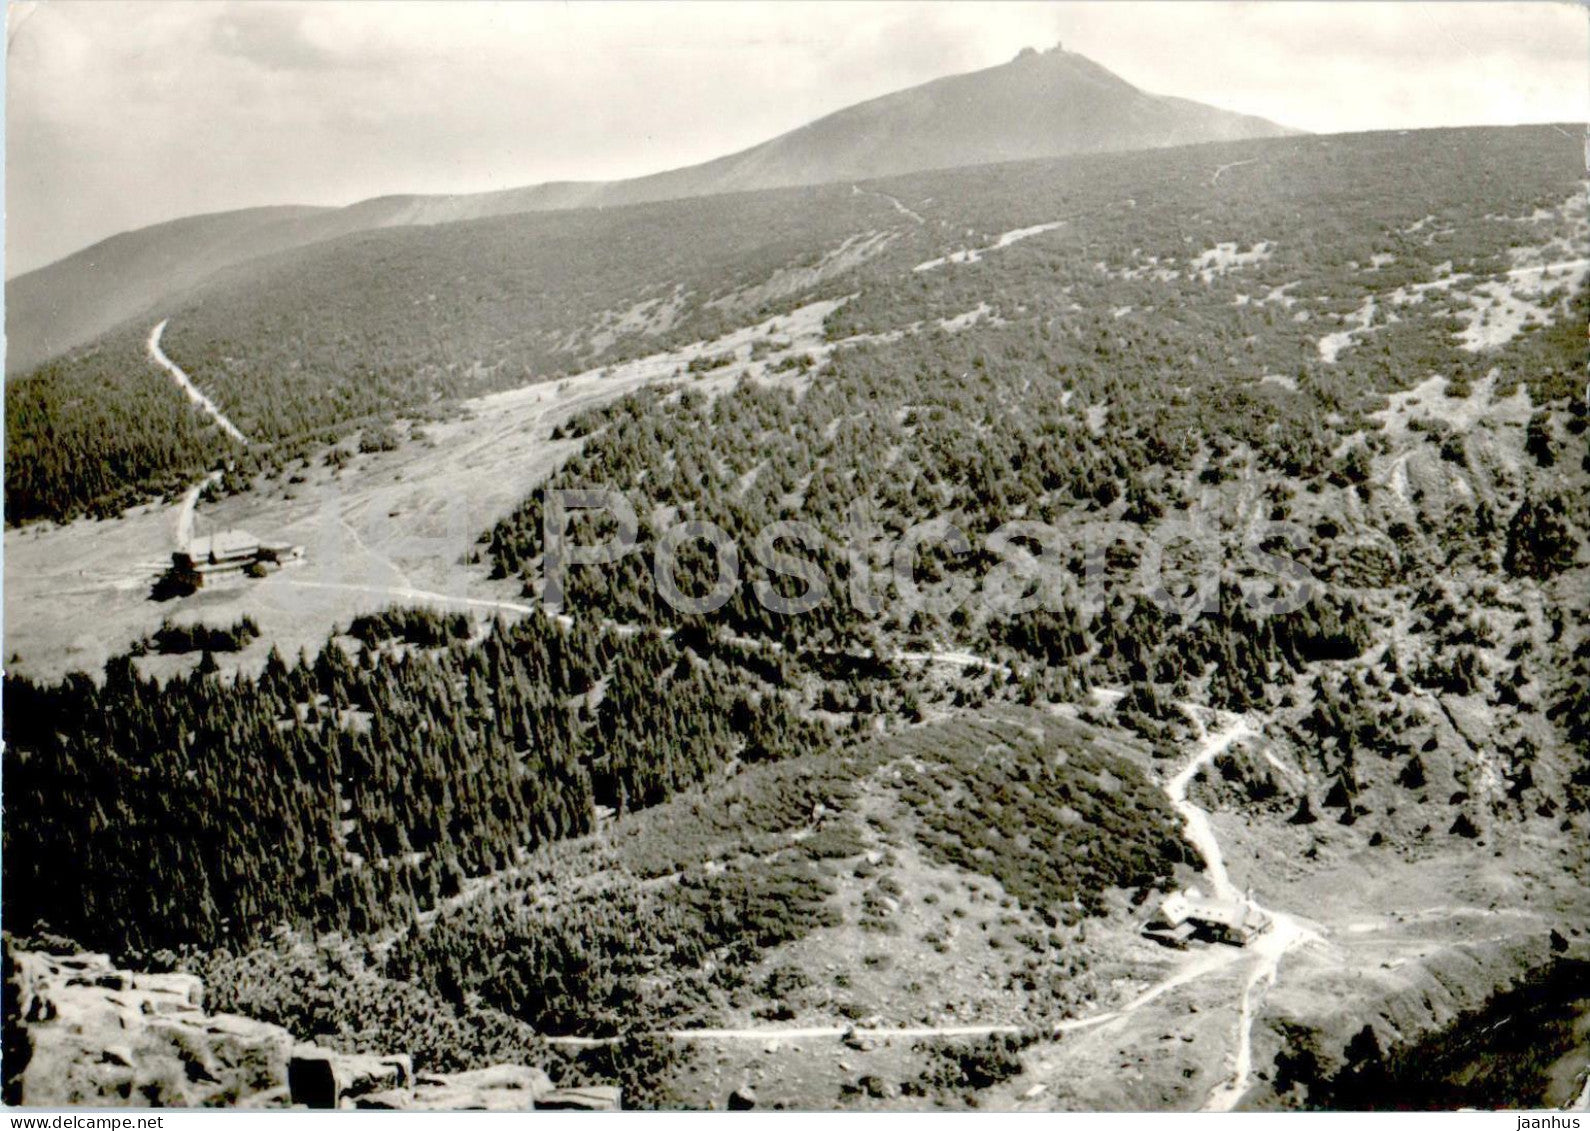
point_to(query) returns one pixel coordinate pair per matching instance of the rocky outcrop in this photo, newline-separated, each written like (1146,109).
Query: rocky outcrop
(80,1032)
(590,1097)
(1310,1041)
(99,1036)
(503,1087)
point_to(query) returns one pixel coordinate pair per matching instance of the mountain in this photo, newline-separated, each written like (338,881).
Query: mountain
(55,308)
(1052,104)
(1046,104)
(1038,105)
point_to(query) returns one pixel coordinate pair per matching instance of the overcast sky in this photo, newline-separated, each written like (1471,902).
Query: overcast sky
(122,113)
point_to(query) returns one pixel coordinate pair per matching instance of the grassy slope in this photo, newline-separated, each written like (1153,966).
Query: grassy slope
(825,863)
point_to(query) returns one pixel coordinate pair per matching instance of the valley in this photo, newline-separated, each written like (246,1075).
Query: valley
(397,525)
(1202,1012)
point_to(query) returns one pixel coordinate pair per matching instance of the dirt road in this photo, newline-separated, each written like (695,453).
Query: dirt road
(185,510)
(1273,945)
(1265,956)
(158,356)
(1199,830)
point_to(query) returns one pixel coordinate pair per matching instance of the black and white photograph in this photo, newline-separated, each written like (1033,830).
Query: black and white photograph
(787,556)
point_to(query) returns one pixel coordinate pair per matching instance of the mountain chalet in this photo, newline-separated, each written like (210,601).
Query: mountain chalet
(1185,916)
(229,553)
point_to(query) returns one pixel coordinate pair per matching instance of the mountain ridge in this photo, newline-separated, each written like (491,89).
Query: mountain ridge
(1049,104)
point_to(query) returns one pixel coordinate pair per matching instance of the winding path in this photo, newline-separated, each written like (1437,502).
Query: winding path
(1233,165)
(1210,961)
(898,207)
(1267,951)
(1269,948)
(194,394)
(1199,830)
(185,383)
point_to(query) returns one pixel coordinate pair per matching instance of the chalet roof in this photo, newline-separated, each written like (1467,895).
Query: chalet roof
(1193,906)
(224,544)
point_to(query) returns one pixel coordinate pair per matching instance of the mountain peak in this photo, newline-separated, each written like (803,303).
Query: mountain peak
(1040,104)
(1033,53)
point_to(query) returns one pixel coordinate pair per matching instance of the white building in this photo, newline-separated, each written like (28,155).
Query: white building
(1188,915)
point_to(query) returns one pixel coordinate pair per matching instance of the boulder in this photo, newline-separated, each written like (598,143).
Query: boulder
(403,1065)
(321,1079)
(186,988)
(393,1099)
(502,1087)
(252,1054)
(278,1097)
(742,1099)
(163,1005)
(501,1077)
(98,1037)
(312,1081)
(448,1098)
(26,974)
(78,963)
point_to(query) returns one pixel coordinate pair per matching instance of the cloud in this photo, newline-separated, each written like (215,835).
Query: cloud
(270,37)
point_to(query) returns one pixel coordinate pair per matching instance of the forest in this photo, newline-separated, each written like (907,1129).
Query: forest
(354,790)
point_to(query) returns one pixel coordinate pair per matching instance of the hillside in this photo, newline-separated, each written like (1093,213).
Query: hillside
(299,346)
(61,306)
(1291,430)
(1036,106)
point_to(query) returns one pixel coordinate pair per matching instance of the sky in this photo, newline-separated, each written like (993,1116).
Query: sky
(124,113)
